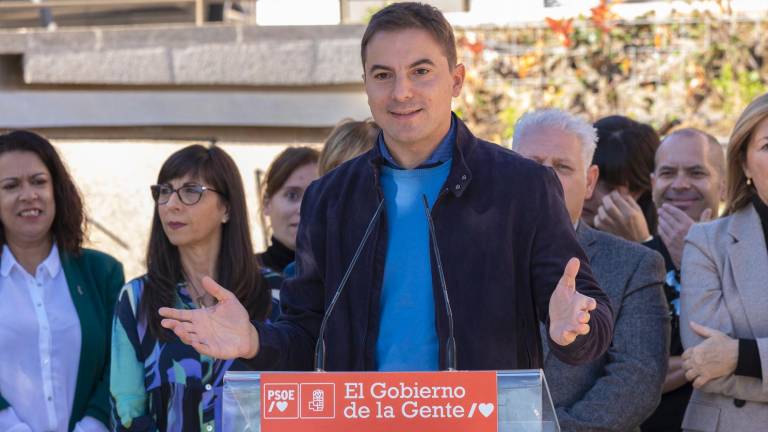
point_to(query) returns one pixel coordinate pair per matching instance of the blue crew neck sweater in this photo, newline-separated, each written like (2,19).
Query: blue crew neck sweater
(407,334)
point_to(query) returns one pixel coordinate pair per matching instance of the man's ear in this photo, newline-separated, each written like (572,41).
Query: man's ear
(458,79)
(593,174)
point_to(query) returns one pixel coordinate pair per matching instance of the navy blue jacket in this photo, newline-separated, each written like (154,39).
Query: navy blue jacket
(504,237)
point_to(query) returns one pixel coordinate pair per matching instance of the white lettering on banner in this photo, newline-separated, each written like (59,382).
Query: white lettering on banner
(354,391)
(280,395)
(406,398)
(390,401)
(354,412)
(411,409)
(402,391)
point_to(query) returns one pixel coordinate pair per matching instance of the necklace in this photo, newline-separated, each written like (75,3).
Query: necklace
(199,296)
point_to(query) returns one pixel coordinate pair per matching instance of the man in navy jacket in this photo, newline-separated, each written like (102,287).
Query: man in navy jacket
(510,254)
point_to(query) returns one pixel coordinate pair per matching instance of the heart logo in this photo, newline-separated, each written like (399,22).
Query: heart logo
(485,409)
(282,405)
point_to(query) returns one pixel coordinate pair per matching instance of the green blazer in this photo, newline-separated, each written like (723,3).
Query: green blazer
(94,279)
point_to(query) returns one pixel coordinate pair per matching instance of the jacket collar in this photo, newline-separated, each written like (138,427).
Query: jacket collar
(748,258)
(587,238)
(460,175)
(745,225)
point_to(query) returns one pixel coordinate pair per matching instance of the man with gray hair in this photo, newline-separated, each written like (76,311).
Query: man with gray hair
(619,390)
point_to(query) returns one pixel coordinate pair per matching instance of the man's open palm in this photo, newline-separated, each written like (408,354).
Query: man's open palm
(222,331)
(569,310)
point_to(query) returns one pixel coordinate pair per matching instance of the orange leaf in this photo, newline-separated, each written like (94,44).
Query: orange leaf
(602,15)
(562,28)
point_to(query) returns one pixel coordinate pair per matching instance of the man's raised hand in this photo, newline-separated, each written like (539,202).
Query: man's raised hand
(222,331)
(674,225)
(569,310)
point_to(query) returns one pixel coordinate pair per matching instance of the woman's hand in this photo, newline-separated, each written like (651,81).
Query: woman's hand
(713,358)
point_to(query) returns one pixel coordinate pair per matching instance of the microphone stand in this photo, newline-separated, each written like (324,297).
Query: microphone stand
(320,345)
(450,344)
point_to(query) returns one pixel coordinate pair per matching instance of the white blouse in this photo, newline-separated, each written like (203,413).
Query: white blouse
(40,339)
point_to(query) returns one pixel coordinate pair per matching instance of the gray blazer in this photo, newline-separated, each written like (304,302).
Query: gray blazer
(725,268)
(621,389)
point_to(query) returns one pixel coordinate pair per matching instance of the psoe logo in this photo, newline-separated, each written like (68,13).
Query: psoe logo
(281,401)
(318,400)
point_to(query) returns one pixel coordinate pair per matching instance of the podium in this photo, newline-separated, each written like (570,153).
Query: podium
(522,401)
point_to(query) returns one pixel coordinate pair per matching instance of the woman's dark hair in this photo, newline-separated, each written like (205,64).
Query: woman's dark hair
(625,156)
(236,267)
(284,165)
(68,228)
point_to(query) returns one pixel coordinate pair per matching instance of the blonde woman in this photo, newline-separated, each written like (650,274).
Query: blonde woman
(724,298)
(348,139)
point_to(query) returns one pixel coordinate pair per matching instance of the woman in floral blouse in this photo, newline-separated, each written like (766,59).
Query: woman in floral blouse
(200,228)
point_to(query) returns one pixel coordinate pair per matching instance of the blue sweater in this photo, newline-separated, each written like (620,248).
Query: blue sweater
(407,334)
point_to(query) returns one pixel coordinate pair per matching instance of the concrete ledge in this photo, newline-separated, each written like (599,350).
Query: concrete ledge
(338,61)
(13,43)
(167,37)
(257,33)
(130,66)
(288,63)
(60,41)
(188,55)
(82,108)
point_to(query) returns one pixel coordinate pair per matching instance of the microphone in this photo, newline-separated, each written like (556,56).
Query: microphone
(320,345)
(450,344)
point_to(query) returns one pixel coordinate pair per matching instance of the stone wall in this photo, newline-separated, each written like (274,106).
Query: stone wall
(184,55)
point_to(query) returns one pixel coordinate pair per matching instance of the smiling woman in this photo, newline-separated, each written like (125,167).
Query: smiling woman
(56,297)
(723,297)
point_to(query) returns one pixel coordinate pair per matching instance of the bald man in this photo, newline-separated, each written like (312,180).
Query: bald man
(688,187)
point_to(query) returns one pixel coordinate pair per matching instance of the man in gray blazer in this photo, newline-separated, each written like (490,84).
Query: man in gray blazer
(619,390)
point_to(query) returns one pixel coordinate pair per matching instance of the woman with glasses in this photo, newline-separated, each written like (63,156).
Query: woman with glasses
(287,178)
(56,297)
(199,229)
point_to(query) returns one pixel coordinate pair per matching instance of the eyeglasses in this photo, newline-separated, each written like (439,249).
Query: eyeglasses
(188,194)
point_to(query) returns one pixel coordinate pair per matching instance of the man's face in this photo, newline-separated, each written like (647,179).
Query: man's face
(562,151)
(410,86)
(685,176)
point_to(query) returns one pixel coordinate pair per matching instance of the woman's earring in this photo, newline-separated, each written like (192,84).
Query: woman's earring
(749,181)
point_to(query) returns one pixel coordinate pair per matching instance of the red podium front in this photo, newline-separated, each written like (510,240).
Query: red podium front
(474,401)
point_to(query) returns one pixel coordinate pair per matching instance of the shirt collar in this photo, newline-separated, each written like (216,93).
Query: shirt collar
(442,153)
(52,264)
(8,261)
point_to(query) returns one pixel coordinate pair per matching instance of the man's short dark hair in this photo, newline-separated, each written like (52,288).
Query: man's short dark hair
(715,149)
(411,15)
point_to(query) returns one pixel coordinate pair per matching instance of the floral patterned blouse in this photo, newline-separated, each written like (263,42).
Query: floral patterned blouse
(161,385)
